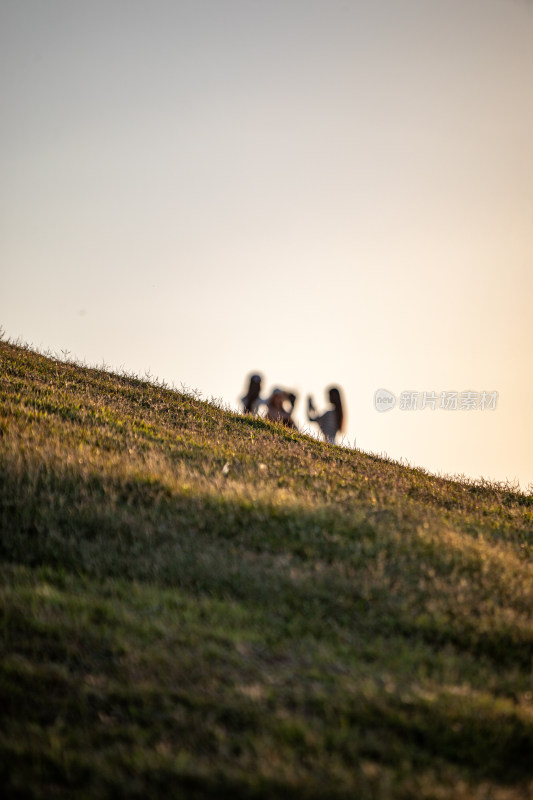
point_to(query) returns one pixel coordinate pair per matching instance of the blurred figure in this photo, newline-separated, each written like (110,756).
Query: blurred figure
(280,406)
(332,420)
(252,400)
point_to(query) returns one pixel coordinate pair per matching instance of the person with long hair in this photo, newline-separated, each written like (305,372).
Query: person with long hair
(331,421)
(251,400)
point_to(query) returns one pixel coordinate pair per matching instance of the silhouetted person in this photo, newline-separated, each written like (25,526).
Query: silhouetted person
(331,421)
(280,405)
(251,400)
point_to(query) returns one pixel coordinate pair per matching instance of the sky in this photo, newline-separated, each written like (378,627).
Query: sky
(327,192)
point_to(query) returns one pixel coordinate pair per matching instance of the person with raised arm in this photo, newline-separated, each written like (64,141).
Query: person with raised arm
(331,421)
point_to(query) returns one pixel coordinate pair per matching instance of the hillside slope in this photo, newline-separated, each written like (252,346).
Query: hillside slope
(199,604)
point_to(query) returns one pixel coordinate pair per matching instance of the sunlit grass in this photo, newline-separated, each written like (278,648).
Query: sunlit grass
(200,604)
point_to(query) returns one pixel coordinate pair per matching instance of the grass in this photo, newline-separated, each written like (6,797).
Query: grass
(203,605)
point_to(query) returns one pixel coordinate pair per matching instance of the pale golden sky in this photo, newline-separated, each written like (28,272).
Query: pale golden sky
(324,192)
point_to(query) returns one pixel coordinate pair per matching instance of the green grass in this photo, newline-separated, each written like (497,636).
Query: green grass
(198,604)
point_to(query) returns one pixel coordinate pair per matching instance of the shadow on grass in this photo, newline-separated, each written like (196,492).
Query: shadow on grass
(70,734)
(285,560)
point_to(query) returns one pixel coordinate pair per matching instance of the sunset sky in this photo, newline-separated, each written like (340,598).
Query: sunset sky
(323,192)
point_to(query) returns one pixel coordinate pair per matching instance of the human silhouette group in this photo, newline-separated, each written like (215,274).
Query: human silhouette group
(280,404)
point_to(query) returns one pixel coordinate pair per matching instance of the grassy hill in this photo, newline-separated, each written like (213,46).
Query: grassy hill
(198,604)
